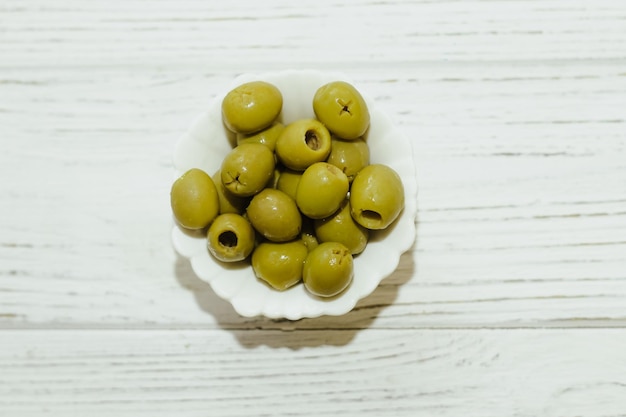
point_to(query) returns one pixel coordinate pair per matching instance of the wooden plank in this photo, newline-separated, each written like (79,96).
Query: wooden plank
(515,110)
(365,373)
(511,302)
(522,211)
(131,33)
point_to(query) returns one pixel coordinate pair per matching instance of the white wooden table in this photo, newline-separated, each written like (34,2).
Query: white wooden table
(512,303)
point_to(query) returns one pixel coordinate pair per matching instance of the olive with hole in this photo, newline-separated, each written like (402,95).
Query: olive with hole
(350,156)
(302,143)
(376,196)
(265,137)
(274,215)
(230,238)
(251,107)
(247,169)
(328,269)
(194,199)
(341,227)
(279,264)
(321,190)
(340,106)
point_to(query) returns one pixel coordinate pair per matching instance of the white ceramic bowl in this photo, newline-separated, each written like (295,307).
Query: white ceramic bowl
(206,143)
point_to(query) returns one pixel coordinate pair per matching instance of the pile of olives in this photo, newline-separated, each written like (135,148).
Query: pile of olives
(297,201)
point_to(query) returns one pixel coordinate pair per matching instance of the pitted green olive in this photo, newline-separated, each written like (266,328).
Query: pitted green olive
(350,156)
(230,237)
(251,107)
(376,196)
(265,137)
(247,169)
(341,227)
(288,181)
(328,269)
(273,182)
(321,190)
(342,109)
(194,199)
(274,215)
(229,202)
(279,264)
(307,234)
(303,143)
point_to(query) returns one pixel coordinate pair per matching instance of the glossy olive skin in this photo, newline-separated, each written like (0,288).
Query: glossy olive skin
(341,227)
(247,169)
(251,107)
(302,143)
(350,156)
(288,181)
(307,234)
(273,182)
(321,190)
(328,269)
(267,137)
(376,196)
(194,199)
(279,264)
(274,215)
(229,202)
(230,238)
(342,109)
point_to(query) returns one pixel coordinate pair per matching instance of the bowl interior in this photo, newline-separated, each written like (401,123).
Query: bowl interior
(206,143)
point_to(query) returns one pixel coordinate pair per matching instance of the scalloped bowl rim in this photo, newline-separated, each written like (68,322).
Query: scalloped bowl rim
(236,283)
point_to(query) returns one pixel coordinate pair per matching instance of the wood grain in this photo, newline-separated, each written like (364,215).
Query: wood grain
(521,221)
(511,303)
(376,373)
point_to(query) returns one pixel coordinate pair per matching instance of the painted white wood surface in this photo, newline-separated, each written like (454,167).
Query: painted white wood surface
(512,303)
(266,373)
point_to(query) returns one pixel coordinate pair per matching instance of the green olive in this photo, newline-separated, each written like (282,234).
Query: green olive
(194,199)
(251,107)
(274,215)
(273,182)
(307,234)
(265,137)
(376,196)
(247,169)
(288,181)
(328,269)
(231,238)
(303,143)
(350,156)
(342,109)
(341,227)
(279,264)
(321,190)
(229,202)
